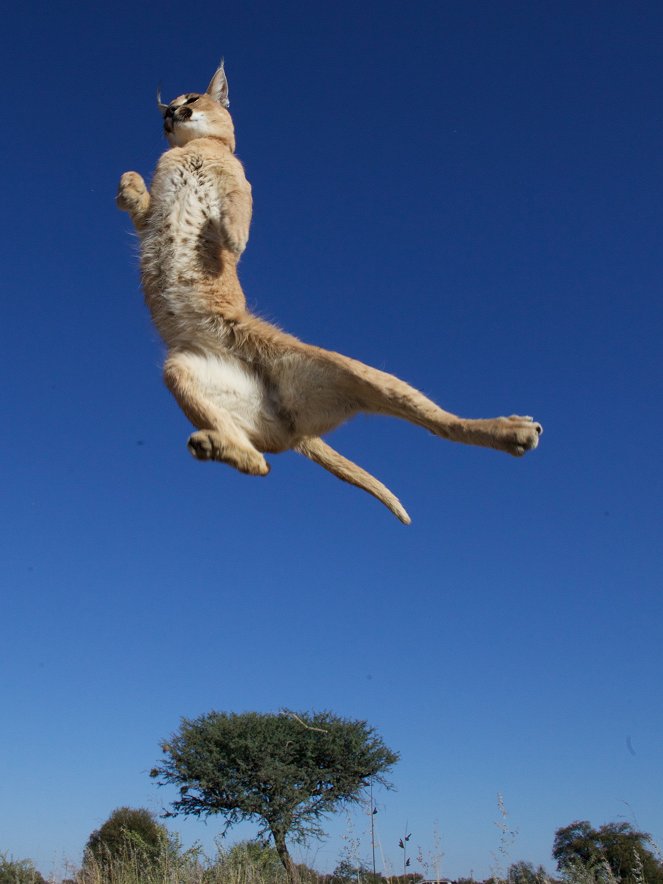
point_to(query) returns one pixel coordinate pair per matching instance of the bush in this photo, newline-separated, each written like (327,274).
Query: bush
(523,872)
(20,871)
(130,837)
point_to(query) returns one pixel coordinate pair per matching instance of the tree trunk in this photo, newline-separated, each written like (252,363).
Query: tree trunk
(286,859)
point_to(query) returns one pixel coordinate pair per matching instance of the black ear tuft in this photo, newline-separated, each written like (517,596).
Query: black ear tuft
(162,107)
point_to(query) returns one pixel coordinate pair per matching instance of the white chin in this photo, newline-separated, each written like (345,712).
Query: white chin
(185,132)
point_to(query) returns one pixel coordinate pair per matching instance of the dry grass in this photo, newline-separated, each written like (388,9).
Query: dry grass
(133,865)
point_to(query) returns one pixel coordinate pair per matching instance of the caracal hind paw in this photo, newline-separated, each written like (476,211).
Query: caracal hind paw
(208,445)
(517,434)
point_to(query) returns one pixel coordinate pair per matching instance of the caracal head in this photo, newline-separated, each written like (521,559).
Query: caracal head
(194,115)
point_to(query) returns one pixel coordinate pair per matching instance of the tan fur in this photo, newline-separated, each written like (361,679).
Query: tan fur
(248,387)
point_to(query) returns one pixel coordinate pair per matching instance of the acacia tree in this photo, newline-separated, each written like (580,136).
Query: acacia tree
(285,771)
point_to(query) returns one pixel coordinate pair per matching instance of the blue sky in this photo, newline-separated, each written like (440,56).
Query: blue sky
(465,194)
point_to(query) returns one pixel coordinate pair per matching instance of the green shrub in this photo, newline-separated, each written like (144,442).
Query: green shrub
(131,838)
(21,871)
(136,825)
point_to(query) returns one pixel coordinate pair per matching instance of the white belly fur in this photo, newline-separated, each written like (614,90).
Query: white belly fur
(230,384)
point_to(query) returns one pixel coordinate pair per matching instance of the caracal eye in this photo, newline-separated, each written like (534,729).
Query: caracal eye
(191,99)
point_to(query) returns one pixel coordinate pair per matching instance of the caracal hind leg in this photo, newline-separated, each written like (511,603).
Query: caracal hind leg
(133,197)
(218,437)
(516,434)
(381,393)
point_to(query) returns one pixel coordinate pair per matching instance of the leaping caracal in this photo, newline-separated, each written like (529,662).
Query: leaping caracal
(248,387)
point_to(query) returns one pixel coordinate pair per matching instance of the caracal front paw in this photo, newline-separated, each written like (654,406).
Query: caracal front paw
(132,195)
(237,236)
(210,445)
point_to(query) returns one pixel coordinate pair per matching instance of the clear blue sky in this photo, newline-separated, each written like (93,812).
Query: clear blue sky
(467,194)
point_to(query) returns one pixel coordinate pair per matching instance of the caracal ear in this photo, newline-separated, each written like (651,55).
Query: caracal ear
(218,87)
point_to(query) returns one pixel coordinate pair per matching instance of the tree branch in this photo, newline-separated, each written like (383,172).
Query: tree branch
(303,723)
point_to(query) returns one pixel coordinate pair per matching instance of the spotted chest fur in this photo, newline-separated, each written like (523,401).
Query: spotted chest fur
(200,210)
(184,235)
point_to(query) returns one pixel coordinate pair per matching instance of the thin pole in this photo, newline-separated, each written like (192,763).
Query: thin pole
(372,827)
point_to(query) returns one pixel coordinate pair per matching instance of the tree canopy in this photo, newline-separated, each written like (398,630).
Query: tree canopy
(284,771)
(626,850)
